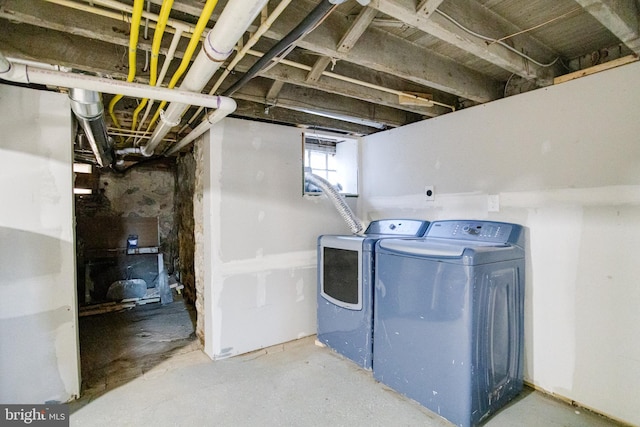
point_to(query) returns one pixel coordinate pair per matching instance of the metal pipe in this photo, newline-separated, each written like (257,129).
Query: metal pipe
(88,109)
(234,20)
(264,27)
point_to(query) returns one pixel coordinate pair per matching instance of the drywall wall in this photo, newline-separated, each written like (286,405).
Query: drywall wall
(565,162)
(38,319)
(256,237)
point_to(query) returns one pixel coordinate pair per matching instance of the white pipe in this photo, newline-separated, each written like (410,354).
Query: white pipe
(234,20)
(26,74)
(209,121)
(163,73)
(264,27)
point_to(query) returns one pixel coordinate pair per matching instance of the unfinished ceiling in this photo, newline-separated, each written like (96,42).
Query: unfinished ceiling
(362,69)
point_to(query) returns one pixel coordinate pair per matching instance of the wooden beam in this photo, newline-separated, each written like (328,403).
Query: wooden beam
(296,76)
(55,17)
(596,69)
(257,111)
(618,16)
(392,55)
(427,7)
(442,28)
(274,90)
(308,99)
(359,26)
(318,69)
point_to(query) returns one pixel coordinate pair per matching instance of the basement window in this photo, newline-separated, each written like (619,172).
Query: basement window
(334,158)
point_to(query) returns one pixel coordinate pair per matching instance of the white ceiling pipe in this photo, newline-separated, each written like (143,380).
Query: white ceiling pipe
(209,121)
(26,74)
(234,20)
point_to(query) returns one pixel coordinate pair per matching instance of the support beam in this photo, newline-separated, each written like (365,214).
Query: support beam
(301,99)
(427,7)
(359,26)
(296,118)
(60,18)
(621,17)
(297,76)
(440,27)
(386,53)
(318,69)
(274,90)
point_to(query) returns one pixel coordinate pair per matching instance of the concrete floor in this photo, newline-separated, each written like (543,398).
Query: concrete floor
(294,384)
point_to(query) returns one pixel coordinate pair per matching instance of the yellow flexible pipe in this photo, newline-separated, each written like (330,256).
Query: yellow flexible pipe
(193,43)
(155,51)
(136,17)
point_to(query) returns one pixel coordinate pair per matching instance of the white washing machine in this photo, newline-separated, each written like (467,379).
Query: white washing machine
(346,274)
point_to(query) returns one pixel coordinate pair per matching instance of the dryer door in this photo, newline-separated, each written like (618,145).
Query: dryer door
(340,270)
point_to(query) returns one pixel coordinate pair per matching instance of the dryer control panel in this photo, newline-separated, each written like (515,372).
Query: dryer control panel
(479,231)
(398,227)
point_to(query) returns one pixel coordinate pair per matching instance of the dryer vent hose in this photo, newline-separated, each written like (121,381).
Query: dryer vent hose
(338,201)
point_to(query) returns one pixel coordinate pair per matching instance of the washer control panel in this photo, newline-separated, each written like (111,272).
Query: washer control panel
(481,231)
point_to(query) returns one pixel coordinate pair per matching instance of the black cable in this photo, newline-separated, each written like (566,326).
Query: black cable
(309,22)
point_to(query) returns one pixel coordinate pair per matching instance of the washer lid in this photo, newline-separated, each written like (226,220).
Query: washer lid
(429,247)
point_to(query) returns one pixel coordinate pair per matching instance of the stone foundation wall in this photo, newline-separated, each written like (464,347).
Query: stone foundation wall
(185,187)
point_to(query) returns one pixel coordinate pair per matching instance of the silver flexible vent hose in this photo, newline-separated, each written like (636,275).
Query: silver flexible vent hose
(338,201)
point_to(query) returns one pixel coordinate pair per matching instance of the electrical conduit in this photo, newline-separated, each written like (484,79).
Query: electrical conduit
(138,6)
(234,20)
(307,24)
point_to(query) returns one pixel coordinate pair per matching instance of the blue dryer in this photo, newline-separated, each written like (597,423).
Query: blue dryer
(448,317)
(345,286)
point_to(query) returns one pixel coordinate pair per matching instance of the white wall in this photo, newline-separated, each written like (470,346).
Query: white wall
(259,237)
(38,319)
(565,162)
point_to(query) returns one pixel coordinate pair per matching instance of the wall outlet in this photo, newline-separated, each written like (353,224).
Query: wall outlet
(493,203)
(429,192)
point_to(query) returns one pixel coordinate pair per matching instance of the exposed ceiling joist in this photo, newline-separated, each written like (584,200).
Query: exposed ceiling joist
(361,23)
(619,16)
(427,7)
(389,54)
(441,27)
